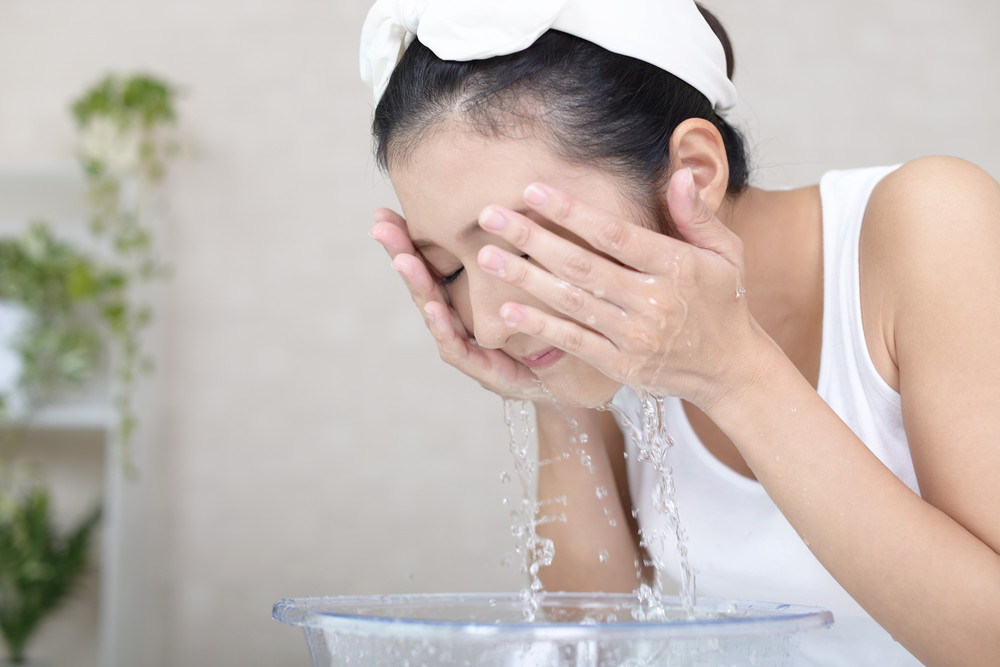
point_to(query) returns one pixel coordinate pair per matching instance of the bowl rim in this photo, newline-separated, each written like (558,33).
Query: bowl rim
(334,614)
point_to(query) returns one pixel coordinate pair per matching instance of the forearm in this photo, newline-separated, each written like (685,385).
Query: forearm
(930,582)
(595,548)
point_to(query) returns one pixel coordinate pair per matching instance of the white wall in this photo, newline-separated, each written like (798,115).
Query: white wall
(307,440)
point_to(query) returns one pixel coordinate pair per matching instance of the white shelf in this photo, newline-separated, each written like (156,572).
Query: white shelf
(56,192)
(84,415)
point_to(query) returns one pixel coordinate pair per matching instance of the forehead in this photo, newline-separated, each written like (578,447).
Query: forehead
(454,171)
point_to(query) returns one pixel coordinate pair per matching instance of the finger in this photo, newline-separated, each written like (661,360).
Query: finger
(625,241)
(569,336)
(565,259)
(696,222)
(390,216)
(416,276)
(566,298)
(451,342)
(394,239)
(493,367)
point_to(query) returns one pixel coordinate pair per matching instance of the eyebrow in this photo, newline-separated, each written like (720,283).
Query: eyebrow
(465,233)
(462,235)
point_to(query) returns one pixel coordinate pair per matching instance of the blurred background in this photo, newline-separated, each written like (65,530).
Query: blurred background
(299,435)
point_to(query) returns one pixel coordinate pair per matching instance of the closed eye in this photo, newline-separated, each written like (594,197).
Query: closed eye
(452,277)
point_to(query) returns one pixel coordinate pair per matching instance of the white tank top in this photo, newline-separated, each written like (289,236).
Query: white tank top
(739,543)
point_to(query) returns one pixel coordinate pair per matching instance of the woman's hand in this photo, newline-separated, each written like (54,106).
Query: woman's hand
(493,369)
(648,310)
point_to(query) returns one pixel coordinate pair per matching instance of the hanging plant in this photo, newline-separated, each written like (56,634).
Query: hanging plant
(77,304)
(125,145)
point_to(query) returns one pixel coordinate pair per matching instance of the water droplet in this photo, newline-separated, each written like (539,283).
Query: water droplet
(612,523)
(584,438)
(599,293)
(504,477)
(602,492)
(740,291)
(777,458)
(591,320)
(603,556)
(652,301)
(795,411)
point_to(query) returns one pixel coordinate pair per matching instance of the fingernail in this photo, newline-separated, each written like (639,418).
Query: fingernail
(512,316)
(535,195)
(692,190)
(491,260)
(492,220)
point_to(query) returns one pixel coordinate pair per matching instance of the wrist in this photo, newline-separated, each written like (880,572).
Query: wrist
(745,377)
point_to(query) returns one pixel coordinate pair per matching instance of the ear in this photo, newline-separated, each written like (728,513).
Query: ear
(697,145)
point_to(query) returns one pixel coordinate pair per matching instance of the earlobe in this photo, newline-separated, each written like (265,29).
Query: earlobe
(697,145)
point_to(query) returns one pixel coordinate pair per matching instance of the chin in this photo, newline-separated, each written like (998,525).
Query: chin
(578,393)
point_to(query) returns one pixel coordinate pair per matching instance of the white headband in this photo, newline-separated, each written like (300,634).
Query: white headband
(670,34)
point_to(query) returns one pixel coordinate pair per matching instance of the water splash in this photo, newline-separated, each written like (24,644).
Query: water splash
(653,442)
(535,552)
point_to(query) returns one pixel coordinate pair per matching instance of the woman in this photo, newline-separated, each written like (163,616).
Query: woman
(579,229)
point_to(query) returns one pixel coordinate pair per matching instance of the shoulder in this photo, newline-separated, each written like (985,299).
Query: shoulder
(927,187)
(930,234)
(934,209)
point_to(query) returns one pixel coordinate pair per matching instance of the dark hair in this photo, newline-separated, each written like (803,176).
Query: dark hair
(595,107)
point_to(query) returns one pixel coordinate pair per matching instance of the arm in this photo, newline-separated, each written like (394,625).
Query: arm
(926,568)
(588,531)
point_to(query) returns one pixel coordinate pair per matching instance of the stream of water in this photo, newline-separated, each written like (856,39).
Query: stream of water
(527,513)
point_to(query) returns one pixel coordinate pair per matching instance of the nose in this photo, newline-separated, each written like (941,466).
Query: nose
(486,294)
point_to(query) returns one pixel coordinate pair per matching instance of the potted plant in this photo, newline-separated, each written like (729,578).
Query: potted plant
(39,564)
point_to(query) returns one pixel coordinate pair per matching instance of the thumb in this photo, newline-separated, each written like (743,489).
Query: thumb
(696,222)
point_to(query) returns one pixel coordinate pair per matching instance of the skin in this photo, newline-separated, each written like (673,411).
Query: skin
(630,305)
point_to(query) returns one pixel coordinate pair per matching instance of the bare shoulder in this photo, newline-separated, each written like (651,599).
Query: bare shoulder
(936,210)
(928,187)
(931,231)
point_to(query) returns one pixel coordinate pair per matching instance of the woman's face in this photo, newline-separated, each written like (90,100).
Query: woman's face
(452,174)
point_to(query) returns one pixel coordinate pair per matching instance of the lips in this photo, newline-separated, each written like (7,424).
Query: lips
(543,359)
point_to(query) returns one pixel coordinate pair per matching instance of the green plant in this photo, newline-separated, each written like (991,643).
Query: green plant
(124,148)
(39,565)
(73,301)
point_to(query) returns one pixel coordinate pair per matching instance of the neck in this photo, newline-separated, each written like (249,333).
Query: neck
(781,232)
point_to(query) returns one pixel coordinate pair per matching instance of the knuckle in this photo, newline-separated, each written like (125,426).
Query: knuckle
(565,209)
(573,340)
(579,268)
(612,234)
(522,235)
(571,300)
(640,340)
(518,273)
(534,326)
(702,213)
